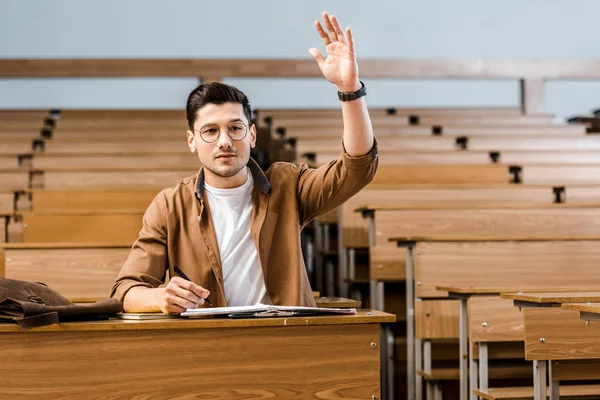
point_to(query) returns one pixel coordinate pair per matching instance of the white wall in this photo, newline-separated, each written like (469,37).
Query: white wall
(283,29)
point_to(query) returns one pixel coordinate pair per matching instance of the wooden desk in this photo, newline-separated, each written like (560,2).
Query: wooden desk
(551,334)
(550,296)
(317,357)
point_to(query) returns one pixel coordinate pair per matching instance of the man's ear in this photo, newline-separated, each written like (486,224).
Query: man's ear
(191,139)
(253,136)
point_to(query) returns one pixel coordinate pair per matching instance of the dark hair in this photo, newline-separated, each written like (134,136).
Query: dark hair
(215,93)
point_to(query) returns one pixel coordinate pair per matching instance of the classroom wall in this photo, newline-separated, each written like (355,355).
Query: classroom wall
(543,29)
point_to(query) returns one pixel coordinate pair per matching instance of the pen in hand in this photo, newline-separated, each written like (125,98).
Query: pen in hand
(184,276)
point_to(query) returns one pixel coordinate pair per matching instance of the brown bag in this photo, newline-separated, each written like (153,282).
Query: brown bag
(33,304)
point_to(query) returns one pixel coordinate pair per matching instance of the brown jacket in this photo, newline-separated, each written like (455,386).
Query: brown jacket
(178,230)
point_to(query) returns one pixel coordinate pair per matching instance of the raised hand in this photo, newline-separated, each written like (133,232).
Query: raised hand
(340,67)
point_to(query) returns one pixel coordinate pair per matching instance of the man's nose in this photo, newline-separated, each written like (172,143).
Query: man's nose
(224,140)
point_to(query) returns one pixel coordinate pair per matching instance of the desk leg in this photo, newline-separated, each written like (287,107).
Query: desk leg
(410,324)
(418,366)
(464,351)
(427,365)
(348,269)
(483,366)
(539,380)
(473,369)
(554,385)
(344,258)
(318,257)
(390,362)
(329,275)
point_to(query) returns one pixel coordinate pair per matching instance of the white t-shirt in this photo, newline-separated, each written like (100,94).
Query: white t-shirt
(231,212)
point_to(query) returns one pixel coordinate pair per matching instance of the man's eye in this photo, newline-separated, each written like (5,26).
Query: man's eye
(235,128)
(211,130)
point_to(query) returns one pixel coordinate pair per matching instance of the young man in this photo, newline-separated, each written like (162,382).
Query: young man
(233,230)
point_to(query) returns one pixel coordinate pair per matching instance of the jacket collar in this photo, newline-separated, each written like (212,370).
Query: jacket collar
(258,176)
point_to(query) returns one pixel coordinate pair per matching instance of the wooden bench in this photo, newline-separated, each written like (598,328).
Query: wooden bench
(102,178)
(460,143)
(471,157)
(14,147)
(315,128)
(110,161)
(14,179)
(80,271)
(45,201)
(92,227)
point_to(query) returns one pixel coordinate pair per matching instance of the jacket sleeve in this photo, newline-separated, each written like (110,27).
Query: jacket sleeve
(323,189)
(148,261)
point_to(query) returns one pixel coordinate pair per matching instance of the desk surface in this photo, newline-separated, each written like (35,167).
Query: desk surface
(509,238)
(583,307)
(362,317)
(483,206)
(520,293)
(557,296)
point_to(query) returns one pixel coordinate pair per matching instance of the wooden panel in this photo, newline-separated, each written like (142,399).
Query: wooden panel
(565,335)
(91,228)
(550,157)
(492,319)
(116,179)
(121,147)
(534,143)
(387,263)
(355,228)
(7,203)
(437,319)
(471,157)
(577,370)
(3,228)
(475,224)
(445,174)
(561,175)
(81,273)
(403,158)
(495,372)
(583,195)
(383,68)
(554,297)
(520,393)
(45,201)
(14,180)
(15,146)
(316,128)
(319,370)
(437,112)
(405,143)
(8,162)
(566,264)
(147,161)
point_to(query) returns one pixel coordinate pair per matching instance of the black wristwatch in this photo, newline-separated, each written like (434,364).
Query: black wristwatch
(349,96)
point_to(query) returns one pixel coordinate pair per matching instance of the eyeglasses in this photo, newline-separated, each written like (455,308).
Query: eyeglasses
(236,131)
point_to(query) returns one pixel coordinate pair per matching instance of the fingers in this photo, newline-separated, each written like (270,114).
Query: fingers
(338,29)
(191,286)
(317,55)
(329,26)
(322,33)
(181,294)
(350,40)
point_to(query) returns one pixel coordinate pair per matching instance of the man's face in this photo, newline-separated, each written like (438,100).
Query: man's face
(225,157)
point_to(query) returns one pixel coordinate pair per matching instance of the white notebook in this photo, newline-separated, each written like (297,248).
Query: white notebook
(259,310)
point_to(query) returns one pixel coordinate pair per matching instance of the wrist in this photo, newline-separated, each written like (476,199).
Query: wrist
(348,88)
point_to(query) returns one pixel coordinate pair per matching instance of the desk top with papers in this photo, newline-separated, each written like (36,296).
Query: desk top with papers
(362,316)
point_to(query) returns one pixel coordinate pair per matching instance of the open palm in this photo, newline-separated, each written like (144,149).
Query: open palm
(340,67)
